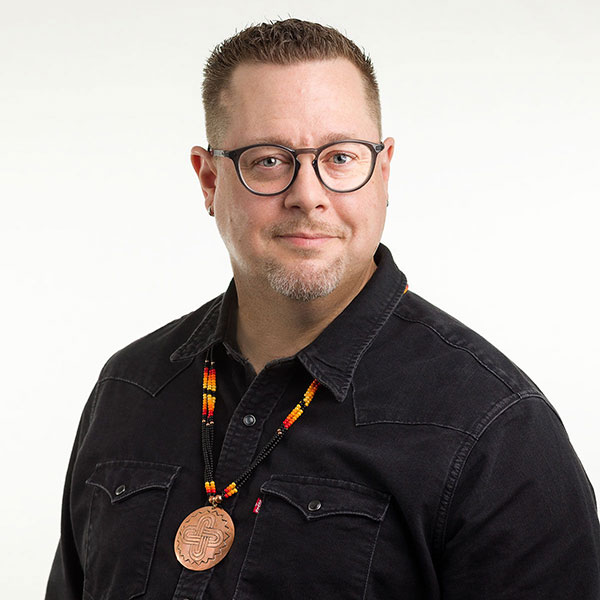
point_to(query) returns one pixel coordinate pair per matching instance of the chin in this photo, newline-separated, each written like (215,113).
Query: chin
(305,283)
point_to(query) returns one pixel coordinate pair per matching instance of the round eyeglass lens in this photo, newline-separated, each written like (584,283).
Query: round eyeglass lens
(346,166)
(266,169)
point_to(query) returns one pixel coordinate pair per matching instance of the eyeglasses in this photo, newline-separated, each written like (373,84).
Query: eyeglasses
(270,169)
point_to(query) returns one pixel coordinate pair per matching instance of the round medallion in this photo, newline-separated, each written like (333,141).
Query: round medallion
(204,538)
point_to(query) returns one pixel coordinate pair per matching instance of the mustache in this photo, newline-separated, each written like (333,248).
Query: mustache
(306,226)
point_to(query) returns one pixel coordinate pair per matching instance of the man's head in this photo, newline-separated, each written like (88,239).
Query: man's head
(305,241)
(278,43)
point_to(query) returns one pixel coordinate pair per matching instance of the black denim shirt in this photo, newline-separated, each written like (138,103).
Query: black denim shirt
(440,469)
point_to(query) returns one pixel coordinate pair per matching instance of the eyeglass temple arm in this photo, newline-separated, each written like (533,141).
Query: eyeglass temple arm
(215,152)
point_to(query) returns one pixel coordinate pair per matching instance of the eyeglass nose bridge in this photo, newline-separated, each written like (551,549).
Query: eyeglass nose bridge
(314,162)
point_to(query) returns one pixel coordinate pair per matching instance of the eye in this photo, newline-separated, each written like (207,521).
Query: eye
(339,158)
(265,159)
(269,162)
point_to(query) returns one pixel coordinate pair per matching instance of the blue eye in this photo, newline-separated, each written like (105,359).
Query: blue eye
(341,159)
(269,161)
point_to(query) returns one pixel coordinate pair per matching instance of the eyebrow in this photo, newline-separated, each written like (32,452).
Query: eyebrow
(330,137)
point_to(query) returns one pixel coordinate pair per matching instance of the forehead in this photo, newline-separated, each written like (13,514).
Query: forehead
(301,104)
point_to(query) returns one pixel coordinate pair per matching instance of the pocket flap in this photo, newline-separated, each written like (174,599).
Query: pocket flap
(318,497)
(121,479)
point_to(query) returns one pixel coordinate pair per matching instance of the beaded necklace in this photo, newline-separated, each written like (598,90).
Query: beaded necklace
(206,535)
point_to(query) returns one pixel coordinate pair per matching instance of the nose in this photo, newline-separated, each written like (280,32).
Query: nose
(306,193)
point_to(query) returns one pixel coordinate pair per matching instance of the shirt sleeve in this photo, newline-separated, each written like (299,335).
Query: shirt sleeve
(66,575)
(522,522)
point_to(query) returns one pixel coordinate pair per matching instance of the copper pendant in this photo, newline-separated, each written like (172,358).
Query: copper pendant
(204,538)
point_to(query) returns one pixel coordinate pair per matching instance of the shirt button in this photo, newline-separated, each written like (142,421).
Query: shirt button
(120,490)
(249,420)
(314,505)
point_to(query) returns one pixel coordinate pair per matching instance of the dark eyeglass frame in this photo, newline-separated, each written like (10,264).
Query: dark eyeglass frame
(235,154)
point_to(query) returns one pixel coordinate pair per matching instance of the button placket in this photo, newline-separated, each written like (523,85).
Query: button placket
(241,440)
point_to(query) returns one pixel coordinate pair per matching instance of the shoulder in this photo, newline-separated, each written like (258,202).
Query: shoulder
(151,361)
(420,320)
(426,367)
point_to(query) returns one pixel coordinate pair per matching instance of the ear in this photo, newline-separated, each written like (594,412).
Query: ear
(386,157)
(204,165)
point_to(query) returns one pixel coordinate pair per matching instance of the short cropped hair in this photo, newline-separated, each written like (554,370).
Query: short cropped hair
(280,43)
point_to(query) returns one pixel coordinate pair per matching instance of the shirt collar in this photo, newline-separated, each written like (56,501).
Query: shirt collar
(213,327)
(333,357)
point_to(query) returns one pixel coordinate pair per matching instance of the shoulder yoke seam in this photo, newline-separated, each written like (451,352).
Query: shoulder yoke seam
(123,380)
(420,423)
(453,345)
(154,393)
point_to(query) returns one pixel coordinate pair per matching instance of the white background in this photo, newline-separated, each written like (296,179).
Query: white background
(493,213)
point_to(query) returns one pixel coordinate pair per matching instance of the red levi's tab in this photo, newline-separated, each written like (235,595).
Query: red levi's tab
(257,506)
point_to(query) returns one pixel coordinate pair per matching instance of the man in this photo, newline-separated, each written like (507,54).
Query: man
(318,431)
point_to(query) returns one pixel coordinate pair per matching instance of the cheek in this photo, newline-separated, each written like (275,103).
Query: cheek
(377,207)
(367,216)
(238,222)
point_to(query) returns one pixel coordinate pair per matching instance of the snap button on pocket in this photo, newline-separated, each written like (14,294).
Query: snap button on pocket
(314,505)
(249,420)
(120,490)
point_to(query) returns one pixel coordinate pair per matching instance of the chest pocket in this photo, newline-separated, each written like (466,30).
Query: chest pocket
(313,538)
(127,505)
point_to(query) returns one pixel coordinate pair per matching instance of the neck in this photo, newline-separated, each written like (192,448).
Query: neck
(272,326)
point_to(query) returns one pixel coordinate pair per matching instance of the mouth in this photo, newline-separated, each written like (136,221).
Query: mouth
(301,239)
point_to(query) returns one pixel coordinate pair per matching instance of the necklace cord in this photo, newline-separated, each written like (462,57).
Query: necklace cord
(209,397)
